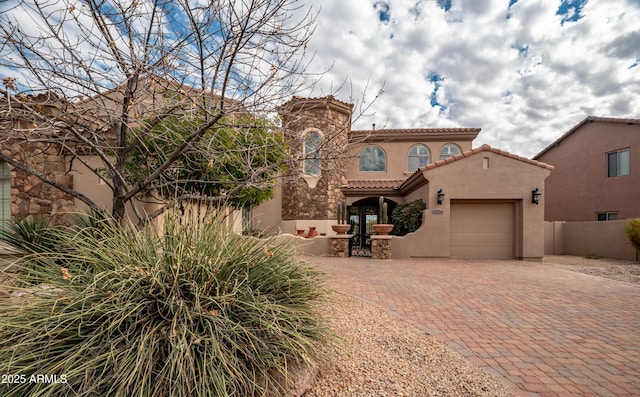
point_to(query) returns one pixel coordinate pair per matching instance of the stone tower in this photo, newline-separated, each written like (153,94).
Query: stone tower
(318,132)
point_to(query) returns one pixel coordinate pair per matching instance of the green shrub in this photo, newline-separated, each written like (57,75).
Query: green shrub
(30,235)
(193,311)
(407,218)
(632,228)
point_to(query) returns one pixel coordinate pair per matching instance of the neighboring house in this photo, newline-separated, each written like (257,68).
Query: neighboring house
(597,171)
(480,202)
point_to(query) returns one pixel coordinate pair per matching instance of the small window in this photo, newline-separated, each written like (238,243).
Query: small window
(449,150)
(312,154)
(418,157)
(607,216)
(372,158)
(5,195)
(618,163)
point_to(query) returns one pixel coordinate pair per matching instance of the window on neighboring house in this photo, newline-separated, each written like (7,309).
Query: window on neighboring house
(312,154)
(607,216)
(418,157)
(372,158)
(449,150)
(618,163)
(5,195)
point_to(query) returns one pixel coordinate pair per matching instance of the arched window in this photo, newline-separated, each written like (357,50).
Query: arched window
(418,157)
(372,158)
(449,150)
(5,195)
(312,153)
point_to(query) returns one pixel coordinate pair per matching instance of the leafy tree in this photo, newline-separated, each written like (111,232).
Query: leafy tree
(102,78)
(237,161)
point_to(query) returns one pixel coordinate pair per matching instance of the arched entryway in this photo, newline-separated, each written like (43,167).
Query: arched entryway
(363,214)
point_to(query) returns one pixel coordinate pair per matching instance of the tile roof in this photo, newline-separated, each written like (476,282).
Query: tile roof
(485,148)
(416,131)
(583,122)
(373,184)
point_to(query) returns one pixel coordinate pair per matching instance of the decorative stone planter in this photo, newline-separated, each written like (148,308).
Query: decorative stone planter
(341,228)
(340,245)
(381,247)
(382,229)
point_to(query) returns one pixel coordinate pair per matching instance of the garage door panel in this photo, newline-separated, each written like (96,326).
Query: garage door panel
(482,230)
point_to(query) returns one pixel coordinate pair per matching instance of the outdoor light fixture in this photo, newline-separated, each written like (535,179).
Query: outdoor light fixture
(440,196)
(535,196)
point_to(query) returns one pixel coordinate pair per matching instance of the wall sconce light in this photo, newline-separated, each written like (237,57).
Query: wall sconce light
(535,196)
(440,196)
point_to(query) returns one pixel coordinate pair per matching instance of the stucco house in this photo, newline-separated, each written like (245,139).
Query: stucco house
(597,171)
(481,202)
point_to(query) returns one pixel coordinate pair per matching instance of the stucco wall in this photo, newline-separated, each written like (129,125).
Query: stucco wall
(397,157)
(579,187)
(605,239)
(484,177)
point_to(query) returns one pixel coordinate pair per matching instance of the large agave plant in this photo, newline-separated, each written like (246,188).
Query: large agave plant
(193,310)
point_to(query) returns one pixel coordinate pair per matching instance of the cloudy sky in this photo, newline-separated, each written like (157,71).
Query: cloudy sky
(525,71)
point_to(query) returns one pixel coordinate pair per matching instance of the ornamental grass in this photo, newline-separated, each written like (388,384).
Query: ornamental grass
(193,310)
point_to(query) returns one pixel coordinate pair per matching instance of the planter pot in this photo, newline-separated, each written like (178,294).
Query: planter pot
(341,229)
(382,229)
(300,232)
(312,232)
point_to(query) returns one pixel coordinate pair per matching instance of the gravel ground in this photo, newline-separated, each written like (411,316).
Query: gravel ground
(379,355)
(614,269)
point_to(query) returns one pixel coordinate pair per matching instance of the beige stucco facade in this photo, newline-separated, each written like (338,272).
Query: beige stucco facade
(479,180)
(487,192)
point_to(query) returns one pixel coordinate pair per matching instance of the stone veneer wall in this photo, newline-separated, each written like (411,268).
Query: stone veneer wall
(30,195)
(333,119)
(381,247)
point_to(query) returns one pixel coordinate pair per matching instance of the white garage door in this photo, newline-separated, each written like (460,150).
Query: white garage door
(482,230)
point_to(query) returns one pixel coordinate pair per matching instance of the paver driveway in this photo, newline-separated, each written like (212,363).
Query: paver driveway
(544,330)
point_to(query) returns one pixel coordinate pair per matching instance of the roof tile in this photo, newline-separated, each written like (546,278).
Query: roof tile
(485,148)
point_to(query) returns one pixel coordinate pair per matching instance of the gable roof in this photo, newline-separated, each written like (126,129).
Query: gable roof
(418,175)
(589,119)
(485,148)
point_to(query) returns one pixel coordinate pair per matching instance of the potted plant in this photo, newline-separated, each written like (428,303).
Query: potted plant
(382,228)
(342,227)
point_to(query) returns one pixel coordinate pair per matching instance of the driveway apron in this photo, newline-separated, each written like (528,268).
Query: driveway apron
(545,331)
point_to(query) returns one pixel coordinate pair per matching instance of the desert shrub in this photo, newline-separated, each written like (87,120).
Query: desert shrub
(407,218)
(31,234)
(193,311)
(632,228)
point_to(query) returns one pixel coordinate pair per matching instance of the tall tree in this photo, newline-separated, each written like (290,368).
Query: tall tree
(102,77)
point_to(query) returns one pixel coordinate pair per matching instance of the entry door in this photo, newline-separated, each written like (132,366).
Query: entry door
(362,219)
(482,230)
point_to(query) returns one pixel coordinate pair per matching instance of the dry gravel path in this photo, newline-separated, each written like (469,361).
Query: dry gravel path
(380,355)
(614,269)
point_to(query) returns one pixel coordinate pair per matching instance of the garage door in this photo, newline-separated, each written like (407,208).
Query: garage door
(482,230)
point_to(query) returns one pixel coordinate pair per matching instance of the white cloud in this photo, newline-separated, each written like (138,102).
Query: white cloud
(518,73)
